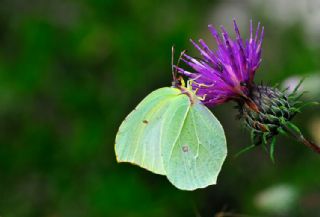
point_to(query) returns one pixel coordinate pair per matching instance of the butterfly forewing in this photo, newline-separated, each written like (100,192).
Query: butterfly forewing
(138,138)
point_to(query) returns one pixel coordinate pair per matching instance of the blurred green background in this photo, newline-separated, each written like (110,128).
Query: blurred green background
(70,71)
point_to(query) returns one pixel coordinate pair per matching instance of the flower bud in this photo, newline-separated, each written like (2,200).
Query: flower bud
(272,108)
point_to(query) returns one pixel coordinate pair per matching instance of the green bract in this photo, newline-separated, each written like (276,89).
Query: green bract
(171,133)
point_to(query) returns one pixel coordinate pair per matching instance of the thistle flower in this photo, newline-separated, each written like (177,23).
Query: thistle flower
(228,74)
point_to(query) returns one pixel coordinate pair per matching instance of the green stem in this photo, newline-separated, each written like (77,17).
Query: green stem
(298,135)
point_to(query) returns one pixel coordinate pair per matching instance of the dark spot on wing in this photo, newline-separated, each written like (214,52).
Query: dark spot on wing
(185,148)
(145,121)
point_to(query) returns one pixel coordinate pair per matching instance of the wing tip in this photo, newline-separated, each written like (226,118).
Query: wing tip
(195,188)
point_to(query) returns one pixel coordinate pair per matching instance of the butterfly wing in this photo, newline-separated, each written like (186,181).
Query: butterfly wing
(194,148)
(139,137)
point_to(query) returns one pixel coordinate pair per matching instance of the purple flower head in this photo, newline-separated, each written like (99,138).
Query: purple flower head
(227,73)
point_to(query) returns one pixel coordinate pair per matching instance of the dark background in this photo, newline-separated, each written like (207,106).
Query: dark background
(70,71)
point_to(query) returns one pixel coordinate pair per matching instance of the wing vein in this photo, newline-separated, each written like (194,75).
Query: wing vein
(198,145)
(152,112)
(175,141)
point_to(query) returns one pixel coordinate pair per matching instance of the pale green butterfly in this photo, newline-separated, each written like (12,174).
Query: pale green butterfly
(172,133)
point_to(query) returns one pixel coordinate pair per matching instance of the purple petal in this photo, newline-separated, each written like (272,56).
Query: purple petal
(220,74)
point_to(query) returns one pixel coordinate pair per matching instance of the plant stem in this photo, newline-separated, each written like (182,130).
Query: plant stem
(300,138)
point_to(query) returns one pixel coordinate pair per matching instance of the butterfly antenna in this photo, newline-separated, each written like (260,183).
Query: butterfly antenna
(173,71)
(176,80)
(180,57)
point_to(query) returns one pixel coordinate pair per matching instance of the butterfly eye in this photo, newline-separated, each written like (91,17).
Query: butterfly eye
(243,84)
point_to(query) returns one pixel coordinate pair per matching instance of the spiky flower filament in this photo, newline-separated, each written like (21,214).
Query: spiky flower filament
(220,73)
